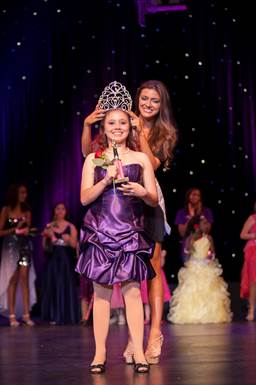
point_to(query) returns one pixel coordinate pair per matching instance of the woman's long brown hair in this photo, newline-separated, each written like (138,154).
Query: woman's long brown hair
(163,134)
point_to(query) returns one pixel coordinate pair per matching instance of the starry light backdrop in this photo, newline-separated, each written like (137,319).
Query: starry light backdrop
(56,58)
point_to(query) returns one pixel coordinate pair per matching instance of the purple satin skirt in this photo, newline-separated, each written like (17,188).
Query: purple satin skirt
(114,246)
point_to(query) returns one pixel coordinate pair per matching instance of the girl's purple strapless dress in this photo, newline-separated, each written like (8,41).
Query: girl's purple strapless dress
(114,246)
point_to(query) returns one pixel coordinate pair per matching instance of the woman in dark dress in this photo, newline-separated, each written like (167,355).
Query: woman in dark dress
(17,274)
(60,303)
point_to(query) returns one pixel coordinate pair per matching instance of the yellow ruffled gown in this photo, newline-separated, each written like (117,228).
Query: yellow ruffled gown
(201,295)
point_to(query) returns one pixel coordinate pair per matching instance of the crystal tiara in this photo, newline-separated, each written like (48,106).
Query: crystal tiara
(115,95)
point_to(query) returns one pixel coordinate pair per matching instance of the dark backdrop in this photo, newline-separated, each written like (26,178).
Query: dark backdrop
(57,56)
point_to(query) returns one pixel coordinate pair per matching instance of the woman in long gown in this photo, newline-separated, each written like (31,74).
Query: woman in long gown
(60,304)
(248,276)
(114,246)
(201,295)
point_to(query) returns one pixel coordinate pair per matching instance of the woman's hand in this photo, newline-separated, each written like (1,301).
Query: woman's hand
(133,189)
(94,117)
(66,238)
(23,231)
(110,175)
(135,122)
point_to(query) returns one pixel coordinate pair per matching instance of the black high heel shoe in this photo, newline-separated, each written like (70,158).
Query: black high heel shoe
(141,368)
(98,368)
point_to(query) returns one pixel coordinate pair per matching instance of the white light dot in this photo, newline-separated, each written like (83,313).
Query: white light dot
(239,123)
(74,86)
(157,61)
(230,108)
(246,156)
(202,161)
(200,63)
(191,172)
(50,66)
(245,90)
(186,77)
(238,62)
(58,10)
(124,73)
(123,27)
(214,23)
(233,211)
(219,201)
(88,71)
(34,13)
(234,20)
(174,190)
(4,10)
(78,113)
(108,68)
(186,54)
(225,45)
(23,77)
(193,129)
(73,47)
(234,165)
(233,255)
(192,145)
(61,101)
(190,16)
(172,276)
(246,194)
(142,35)
(93,36)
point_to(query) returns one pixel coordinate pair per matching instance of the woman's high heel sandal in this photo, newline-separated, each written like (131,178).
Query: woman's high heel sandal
(141,368)
(27,320)
(128,353)
(153,351)
(250,315)
(13,321)
(98,368)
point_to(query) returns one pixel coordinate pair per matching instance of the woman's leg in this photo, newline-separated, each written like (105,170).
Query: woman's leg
(252,301)
(24,281)
(101,314)
(135,319)
(24,273)
(156,294)
(156,301)
(12,291)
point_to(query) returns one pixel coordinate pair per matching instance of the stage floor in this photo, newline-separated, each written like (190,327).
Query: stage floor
(223,354)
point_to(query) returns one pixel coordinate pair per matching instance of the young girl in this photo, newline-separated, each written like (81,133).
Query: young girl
(201,295)
(114,246)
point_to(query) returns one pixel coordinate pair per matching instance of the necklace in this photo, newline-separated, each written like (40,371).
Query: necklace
(120,153)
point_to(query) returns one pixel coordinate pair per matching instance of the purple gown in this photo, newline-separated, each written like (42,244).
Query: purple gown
(114,246)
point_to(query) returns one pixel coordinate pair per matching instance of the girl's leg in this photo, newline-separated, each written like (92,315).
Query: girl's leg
(135,319)
(101,314)
(252,301)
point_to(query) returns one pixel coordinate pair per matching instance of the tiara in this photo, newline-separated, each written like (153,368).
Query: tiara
(115,95)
